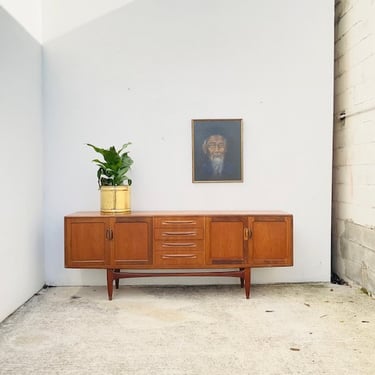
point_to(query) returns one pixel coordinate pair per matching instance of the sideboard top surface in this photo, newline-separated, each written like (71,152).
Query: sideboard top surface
(176,213)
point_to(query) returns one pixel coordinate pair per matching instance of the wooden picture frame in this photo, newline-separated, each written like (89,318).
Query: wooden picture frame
(217,150)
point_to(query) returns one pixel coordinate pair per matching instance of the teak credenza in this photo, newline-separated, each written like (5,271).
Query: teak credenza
(225,243)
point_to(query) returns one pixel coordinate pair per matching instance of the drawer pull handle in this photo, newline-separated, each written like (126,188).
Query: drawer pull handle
(179,222)
(179,244)
(166,256)
(109,234)
(179,233)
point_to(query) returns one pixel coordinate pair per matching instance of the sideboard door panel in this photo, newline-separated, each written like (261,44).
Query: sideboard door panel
(271,243)
(132,241)
(226,243)
(85,243)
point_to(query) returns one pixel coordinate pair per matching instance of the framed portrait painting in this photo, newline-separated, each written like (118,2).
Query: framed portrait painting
(217,150)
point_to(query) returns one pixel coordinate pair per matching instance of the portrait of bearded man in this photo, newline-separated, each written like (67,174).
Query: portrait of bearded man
(217,150)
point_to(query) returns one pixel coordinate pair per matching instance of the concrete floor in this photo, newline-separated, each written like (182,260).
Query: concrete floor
(282,329)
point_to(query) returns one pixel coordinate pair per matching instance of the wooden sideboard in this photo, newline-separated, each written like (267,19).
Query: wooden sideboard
(188,243)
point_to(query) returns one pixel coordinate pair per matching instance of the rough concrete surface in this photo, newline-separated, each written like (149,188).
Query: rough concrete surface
(283,329)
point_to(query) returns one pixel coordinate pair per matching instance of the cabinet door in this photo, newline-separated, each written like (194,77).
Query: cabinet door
(86,243)
(226,240)
(272,241)
(132,241)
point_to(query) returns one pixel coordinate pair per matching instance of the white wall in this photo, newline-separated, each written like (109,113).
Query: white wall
(21,222)
(62,16)
(28,13)
(142,72)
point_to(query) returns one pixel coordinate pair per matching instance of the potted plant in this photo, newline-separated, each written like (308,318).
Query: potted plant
(114,193)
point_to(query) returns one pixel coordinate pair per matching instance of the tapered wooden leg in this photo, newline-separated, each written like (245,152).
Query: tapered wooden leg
(117,281)
(110,283)
(241,279)
(247,282)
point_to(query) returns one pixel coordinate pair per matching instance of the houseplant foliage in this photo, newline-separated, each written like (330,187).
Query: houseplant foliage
(114,193)
(116,164)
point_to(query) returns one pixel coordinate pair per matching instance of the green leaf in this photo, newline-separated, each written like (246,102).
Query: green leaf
(112,171)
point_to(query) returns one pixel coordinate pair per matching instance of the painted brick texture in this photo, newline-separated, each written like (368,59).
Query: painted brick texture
(353,234)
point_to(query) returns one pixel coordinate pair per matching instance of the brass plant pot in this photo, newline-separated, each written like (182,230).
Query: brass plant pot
(115,199)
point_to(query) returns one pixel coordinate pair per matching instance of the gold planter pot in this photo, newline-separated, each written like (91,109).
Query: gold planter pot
(115,199)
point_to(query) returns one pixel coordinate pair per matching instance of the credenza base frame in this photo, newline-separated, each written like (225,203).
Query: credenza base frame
(114,275)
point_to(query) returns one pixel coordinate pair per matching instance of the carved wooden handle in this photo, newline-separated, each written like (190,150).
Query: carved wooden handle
(247,234)
(109,234)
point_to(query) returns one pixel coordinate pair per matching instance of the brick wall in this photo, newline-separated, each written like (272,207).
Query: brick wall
(353,234)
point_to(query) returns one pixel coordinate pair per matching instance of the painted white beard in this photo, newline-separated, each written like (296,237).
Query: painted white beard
(217,163)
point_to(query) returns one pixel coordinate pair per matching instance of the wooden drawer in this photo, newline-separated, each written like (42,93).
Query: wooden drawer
(179,222)
(179,258)
(178,234)
(178,245)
